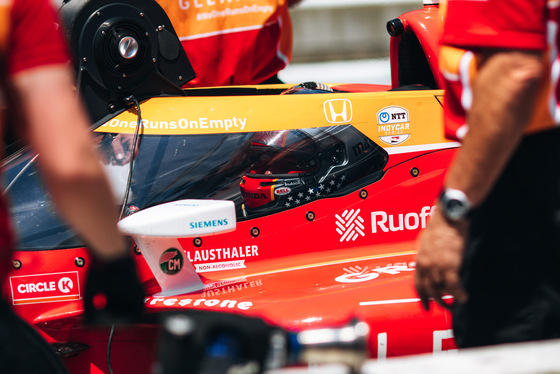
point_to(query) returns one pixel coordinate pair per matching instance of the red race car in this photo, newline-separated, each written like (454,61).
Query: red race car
(293,208)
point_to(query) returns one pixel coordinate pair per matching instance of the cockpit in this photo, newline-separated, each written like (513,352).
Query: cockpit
(262,172)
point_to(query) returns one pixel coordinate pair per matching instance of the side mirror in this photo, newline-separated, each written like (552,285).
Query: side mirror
(156,231)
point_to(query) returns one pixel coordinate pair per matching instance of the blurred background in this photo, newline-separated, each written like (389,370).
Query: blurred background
(343,40)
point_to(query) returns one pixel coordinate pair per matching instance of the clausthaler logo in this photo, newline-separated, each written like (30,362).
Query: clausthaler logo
(171,261)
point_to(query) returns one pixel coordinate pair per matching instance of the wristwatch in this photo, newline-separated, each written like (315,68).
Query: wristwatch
(455,204)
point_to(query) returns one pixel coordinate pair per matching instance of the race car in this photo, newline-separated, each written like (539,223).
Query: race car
(297,206)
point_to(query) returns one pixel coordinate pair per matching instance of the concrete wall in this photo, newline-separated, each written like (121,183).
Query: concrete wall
(344,29)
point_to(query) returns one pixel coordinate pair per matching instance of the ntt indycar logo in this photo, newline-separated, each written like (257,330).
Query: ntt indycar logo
(393,125)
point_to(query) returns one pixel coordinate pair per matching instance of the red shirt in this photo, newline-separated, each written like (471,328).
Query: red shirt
(29,38)
(496,23)
(34,39)
(510,24)
(232,42)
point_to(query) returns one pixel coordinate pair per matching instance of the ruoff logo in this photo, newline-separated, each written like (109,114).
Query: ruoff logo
(338,110)
(350,225)
(384,222)
(171,261)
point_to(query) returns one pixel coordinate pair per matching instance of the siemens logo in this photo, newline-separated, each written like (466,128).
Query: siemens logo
(205,224)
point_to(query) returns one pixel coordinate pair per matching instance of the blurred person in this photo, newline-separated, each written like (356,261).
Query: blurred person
(233,42)
(493,242)
(37,82)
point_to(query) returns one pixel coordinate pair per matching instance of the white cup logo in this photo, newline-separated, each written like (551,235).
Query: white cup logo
(356,278)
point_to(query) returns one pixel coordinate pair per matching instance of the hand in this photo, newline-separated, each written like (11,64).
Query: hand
(439,259)
(122,149)
(115,149)
(113,293)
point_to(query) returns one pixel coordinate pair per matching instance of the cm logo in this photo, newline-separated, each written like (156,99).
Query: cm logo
(171,261)
(338,110)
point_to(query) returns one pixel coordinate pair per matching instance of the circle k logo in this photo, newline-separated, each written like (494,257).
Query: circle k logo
(65,285)
(42,288)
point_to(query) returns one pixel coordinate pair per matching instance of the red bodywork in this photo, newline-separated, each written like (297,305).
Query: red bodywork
(295,270)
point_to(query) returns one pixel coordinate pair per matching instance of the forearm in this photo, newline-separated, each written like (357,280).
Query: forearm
(504,94)
(505,91)
(69,165)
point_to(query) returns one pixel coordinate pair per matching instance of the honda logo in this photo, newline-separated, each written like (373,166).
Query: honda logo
(338,110)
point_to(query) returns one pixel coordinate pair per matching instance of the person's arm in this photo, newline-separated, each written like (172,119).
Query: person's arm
(504,93)
(57,129)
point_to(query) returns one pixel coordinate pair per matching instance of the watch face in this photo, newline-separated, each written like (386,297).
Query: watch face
(455,204)
(456,209)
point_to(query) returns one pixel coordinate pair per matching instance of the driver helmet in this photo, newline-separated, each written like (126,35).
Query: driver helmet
(295,167)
